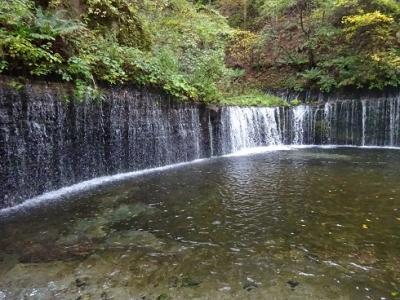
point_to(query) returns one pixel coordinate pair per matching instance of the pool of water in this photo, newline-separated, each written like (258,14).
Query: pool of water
(299,224)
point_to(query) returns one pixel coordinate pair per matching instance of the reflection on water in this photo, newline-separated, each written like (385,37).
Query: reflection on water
(311,223)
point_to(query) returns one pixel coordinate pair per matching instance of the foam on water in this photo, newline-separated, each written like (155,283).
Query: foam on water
(343,146)
(259,150)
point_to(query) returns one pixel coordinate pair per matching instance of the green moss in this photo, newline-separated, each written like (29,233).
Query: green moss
(15,84)
(295,102)
(254,98)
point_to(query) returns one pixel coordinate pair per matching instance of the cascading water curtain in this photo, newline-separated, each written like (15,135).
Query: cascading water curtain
(351,122)
(248,127)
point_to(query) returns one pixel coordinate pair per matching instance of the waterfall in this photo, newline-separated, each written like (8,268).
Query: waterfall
(250,127)
(211,136)
(302,121)
(47,143)
(394,128)
(366,122)
(364,119)
(328,118)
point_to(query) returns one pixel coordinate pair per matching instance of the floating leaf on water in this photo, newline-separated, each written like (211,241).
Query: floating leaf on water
(365,226)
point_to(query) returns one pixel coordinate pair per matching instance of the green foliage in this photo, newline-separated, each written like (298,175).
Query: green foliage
(120,17)
(171,44)
(324,44)
(318,77)
(28,38)
(190,50)
(295,102)
(241,48)
(84,91)
(254,98)
(15,84)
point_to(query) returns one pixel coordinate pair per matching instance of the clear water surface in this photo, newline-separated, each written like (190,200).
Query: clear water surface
(301,224)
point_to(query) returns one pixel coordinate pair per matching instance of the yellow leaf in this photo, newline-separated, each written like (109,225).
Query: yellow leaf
(365,226)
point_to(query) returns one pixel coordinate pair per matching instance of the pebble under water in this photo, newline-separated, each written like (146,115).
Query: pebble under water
(299,224)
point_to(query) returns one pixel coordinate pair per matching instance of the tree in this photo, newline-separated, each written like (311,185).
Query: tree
(327,44)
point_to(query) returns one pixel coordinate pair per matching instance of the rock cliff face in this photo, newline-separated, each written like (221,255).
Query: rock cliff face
(47,142)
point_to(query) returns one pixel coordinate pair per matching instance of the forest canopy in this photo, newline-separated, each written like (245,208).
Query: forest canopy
(204,50)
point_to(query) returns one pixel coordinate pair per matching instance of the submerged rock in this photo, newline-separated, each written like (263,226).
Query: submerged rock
(293,284)
(250,285)
(132,238)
